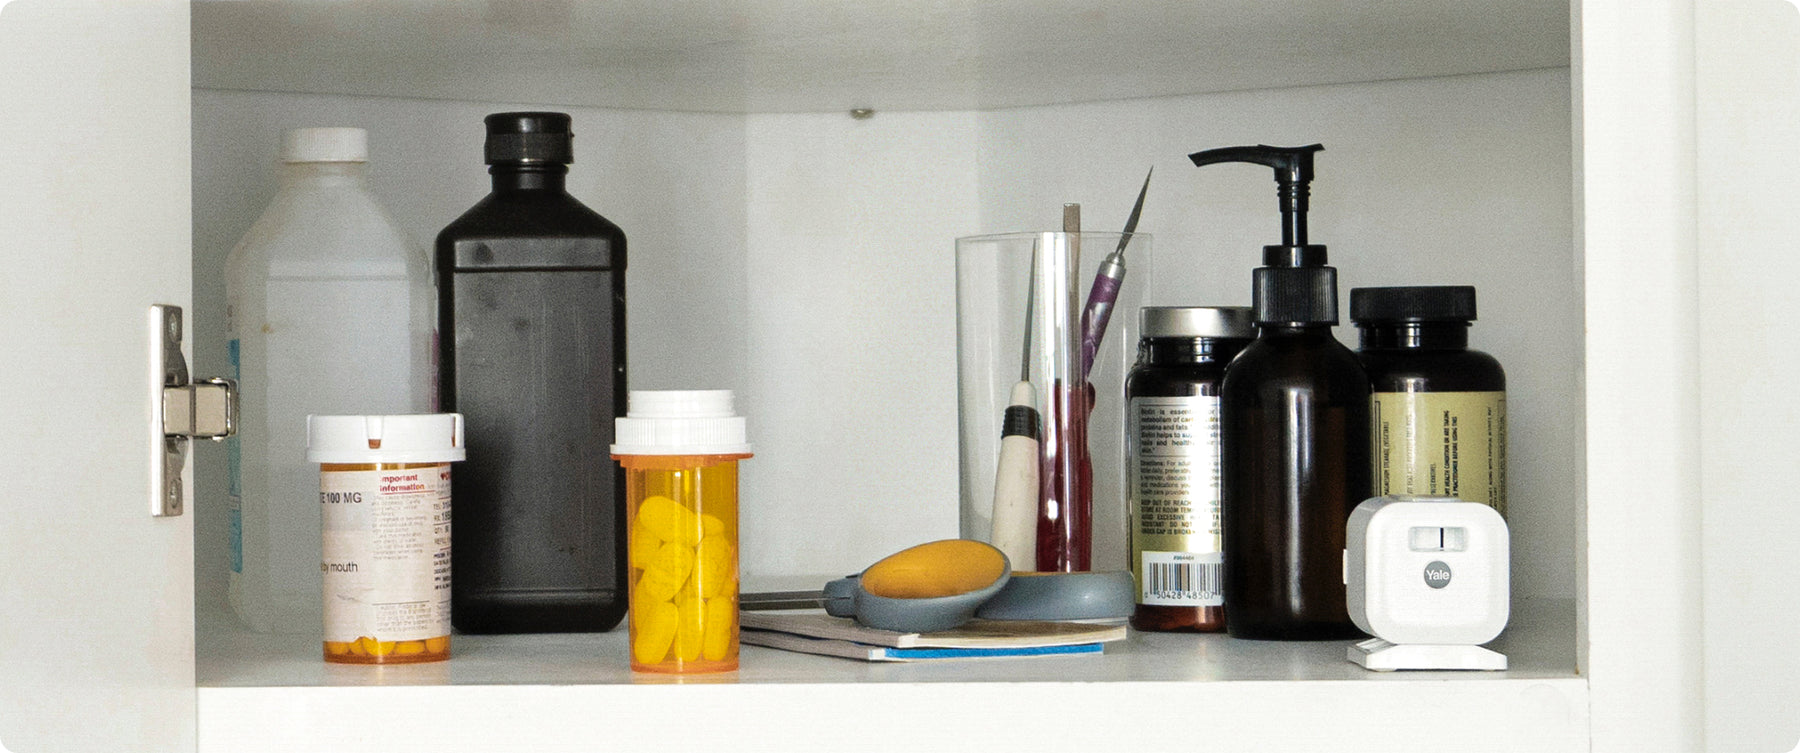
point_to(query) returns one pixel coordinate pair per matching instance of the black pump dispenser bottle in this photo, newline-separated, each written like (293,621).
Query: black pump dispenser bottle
(531,329)
(1295,425)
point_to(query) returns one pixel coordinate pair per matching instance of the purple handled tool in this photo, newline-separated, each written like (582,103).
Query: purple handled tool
(1106,287)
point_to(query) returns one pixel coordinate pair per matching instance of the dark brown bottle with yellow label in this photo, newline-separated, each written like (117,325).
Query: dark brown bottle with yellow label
(1438,411)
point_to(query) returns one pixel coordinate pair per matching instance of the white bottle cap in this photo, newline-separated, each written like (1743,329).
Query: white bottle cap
(680,422)
(325,145)
(423,438)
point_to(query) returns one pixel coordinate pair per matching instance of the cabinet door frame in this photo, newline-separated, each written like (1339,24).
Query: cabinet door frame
(1747,101)
(1639,594)
(97,627)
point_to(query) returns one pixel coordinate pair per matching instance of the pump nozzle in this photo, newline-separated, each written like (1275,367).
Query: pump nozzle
(1293,179)
(1293,164)
(1294,284)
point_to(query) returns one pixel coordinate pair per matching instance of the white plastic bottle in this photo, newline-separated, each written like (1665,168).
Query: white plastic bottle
(330,311)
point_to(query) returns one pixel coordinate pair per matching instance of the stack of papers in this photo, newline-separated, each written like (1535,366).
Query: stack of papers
(980,639)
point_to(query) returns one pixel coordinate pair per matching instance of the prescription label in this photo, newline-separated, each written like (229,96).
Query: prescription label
(1174,502)
(386,553)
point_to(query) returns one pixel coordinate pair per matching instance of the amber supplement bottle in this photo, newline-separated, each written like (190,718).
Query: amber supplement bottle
(531,325)
(1173,457)
(1438,412)
(1295,417)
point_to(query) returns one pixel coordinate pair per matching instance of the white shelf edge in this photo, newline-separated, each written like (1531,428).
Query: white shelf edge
(1538,715)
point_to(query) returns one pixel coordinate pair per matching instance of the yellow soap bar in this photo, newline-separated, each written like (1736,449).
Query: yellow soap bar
(940,568)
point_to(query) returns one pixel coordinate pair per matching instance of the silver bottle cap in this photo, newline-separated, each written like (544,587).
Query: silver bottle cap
(1196,321)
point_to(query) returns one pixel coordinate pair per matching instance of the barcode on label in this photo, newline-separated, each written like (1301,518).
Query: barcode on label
(1181,579)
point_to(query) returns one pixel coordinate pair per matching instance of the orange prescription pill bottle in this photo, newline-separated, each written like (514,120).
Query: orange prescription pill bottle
(680,450)
(384,499)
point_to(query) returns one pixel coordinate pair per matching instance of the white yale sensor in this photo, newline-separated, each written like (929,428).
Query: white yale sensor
(1427,576)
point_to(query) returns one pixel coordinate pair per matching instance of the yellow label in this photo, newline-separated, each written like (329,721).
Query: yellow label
(1450,444)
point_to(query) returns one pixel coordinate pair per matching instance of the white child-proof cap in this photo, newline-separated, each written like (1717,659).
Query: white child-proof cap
(325,145)
(420,438)
(680,422)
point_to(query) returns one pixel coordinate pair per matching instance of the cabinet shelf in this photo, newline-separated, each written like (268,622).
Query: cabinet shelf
(1540,645)
(556,689)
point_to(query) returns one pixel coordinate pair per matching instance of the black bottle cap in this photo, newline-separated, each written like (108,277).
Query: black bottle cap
(1295,295)
(1424,303)
(529,138)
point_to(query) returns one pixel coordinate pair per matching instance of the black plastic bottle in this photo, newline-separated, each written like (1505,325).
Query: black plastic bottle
(1172,415)
(1438,413)
(531,327)
(1295,420)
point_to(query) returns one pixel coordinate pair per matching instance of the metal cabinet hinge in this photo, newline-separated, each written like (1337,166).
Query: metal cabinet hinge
(180,409)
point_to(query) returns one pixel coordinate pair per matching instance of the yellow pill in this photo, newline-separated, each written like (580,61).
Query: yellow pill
(337,647)
(669,520)
(437,645)
(644,543)
(408,648)
(690,589)
(710,525)
(692,629)
(661,584)
(640,605)
(714,562)
(664,573)
(655,631)
(376,648)
(356,648)
(721,626)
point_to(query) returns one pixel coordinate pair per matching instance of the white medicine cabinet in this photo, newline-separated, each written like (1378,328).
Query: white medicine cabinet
(1615,178)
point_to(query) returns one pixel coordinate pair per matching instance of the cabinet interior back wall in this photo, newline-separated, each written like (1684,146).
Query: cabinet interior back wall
(806,261)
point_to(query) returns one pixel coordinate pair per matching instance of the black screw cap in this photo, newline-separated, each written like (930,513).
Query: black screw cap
(1424,303)
(529,138)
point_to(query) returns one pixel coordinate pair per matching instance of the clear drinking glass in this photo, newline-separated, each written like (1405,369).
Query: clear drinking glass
(1020,299)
